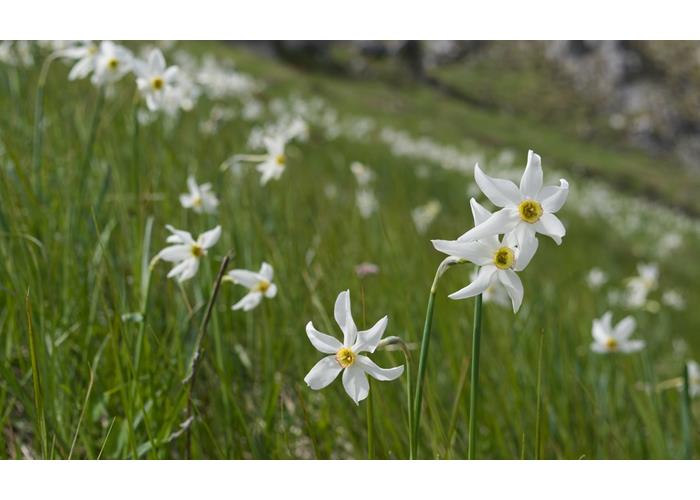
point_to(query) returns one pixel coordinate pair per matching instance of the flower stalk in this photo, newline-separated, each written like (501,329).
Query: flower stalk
(474,389)
(196,353)
(687,416)
(425,345)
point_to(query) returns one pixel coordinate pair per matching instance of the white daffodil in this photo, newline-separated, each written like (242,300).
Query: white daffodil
(200,198)
(113,62)
(596,278)
(424,215)
(272,167)
(154,79)
(673,299)
(638,287)
(609,339)
(346,356)
(498,260)
(363,174)
(259,284)
(526,210)
(366,202)
(185,252)
(86,56)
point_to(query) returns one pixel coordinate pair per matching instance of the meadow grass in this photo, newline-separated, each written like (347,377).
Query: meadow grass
(94,347)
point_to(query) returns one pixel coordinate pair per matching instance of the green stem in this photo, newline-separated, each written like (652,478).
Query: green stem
(189,379)
(474,389)
(36,381)
(90,145)
(687,417)
(38,138)
(425,344)
(370,425)
(409,400)
(135,148)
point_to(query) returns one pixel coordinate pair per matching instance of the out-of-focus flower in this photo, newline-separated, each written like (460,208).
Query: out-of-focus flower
(609,339)
(596,278)
(185,252)
(259,284)
(363,174)
(366,202)
(112,63)
(424,215)
(673,299)
(526,210)
(85,55)
(345,357)
(200,198)
(154,79)
(639,287)
(366,269)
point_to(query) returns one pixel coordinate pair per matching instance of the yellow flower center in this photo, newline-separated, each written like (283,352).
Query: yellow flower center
(197,201)
(197,250)
(157,83)
(280,160)
(504,258)
(611,344)
(262,286)
(345,357)
(530,211)
(113,63)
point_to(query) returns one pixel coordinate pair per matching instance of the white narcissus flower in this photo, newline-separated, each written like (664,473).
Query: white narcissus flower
(154,79)
(638,287)
(185,252)
(525,210)
(86,56)
(498,260)
(113,62)
(596,278)
(275,161)
(609,339)
(363,174)
(200,198)
(259,284)
(346,356)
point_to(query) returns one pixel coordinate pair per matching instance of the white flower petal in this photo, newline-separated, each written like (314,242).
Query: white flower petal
(321,341)
(323,373)
(244,277)
(551,226)
(624,328)
(473,251)
(190,269)
(513,285)
(479,213)
(248,302)
(266,271)
(631,346)
(343,316)
(377,372)
(271,291)
(531,181)
(209,238)
(179,236)
(501,192)
(367,340)
(526,252)
(553,198)
(501,222)
(175,253)
(481,283)
(355,383)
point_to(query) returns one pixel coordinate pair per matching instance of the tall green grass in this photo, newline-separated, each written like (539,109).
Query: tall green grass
(94,348)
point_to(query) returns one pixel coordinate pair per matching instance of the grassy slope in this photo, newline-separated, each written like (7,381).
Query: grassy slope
(78,252)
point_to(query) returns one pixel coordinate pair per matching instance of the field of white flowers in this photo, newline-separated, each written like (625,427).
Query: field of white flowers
(210,254)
